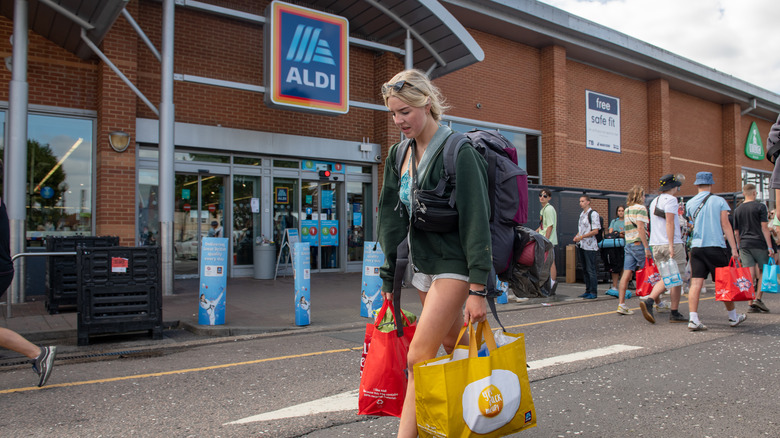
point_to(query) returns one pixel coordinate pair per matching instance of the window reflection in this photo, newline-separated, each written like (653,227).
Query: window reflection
(59,174)
(527,147)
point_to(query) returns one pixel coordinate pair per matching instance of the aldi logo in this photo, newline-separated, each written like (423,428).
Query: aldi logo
(307,59)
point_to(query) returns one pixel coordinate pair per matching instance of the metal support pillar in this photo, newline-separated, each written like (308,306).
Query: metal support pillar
(409,49)
(166,169)
(15,186)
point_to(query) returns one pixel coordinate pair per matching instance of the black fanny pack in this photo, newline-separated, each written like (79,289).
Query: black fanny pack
(431,210)
(433,213)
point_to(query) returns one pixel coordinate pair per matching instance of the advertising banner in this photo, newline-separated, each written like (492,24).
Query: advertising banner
(602,119)
(213,280)
(310,232)
(371,286)
(301,274)
(329,233)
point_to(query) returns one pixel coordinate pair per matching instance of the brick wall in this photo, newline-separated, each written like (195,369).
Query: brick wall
(663,130)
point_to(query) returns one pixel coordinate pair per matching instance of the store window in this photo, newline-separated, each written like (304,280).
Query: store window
(527,147)
(761,181)
(59,174)
(148,209)
(203,158)
(359,218)
(286,207)
(2,146)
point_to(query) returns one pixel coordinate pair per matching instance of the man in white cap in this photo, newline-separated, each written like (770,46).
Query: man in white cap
(710,216)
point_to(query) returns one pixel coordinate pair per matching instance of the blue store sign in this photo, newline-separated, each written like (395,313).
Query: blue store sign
(308,68)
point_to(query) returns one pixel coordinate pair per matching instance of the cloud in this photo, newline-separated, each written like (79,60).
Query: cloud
(736,37)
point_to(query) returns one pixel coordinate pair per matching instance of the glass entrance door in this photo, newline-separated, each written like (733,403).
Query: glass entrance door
(320,224)
(199,212)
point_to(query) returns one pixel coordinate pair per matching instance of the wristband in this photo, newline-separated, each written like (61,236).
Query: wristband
(479,293)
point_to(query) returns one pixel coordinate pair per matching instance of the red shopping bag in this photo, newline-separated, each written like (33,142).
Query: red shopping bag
(734,283)
(383,367)
(646,278)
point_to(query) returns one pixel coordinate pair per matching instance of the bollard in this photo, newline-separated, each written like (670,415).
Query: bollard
(213,281)
(301,273)
(371,284)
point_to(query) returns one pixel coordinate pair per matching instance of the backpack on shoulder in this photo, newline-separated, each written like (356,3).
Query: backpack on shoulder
(600,233)
(508,195)
(507,190)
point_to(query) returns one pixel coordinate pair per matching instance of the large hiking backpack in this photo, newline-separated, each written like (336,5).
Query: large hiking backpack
(507,188)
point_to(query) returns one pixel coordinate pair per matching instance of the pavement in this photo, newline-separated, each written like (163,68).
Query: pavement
(254,308)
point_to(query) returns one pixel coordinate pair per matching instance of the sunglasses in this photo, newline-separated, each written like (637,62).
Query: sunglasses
(543,196)
(396,87)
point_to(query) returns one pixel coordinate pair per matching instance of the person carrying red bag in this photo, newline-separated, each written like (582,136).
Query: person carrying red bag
(637,248)
(708,247)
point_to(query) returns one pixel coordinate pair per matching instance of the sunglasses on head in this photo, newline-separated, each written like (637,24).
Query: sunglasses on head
(396,86)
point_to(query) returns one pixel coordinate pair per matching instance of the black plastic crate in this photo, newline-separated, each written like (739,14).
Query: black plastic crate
(61,271)
(119,291)
(104,266)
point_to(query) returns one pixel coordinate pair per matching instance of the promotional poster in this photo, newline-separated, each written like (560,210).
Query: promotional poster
(371,285)
(301,269)
(213,280)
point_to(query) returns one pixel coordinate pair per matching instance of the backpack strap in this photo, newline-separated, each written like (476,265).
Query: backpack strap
(400,154)
(401,262)
(492,293)
(451,148)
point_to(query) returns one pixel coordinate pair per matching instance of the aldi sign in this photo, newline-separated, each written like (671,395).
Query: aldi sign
(307,59)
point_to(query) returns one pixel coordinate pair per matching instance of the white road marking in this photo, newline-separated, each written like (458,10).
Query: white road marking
(345,401)
(348,401)
(582,355)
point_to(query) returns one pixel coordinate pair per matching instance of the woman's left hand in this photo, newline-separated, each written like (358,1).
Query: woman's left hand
(476,309)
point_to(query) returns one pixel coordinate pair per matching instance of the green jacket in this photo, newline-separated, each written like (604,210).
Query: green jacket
(466,251)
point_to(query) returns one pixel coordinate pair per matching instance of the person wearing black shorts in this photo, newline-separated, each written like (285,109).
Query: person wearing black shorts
(708,246)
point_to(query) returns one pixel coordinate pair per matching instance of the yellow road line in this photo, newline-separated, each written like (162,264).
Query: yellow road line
(190,370)
(584,316)
(270,359)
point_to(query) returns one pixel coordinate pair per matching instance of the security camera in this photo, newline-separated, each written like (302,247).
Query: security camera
(378,158)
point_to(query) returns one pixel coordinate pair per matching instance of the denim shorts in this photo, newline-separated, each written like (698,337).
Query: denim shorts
(634,257)
(423,282)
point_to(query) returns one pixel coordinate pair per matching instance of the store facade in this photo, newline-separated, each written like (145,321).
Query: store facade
(585,106)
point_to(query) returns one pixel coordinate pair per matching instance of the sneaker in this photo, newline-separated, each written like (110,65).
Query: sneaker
(647,309)
(740,317)
(521,299)
(612,292)
(584,295)
(760,304)
(663,306)
(753,309)
(624,310)
(589,296)
(44,363)
(676,316)
(696,327)
(553,286)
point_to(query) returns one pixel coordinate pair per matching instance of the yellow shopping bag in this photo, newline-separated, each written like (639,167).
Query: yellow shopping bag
(465,395)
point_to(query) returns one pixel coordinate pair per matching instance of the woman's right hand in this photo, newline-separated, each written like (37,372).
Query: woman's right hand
(387,296)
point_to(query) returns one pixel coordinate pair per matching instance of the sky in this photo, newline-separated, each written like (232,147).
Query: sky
(737,37)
